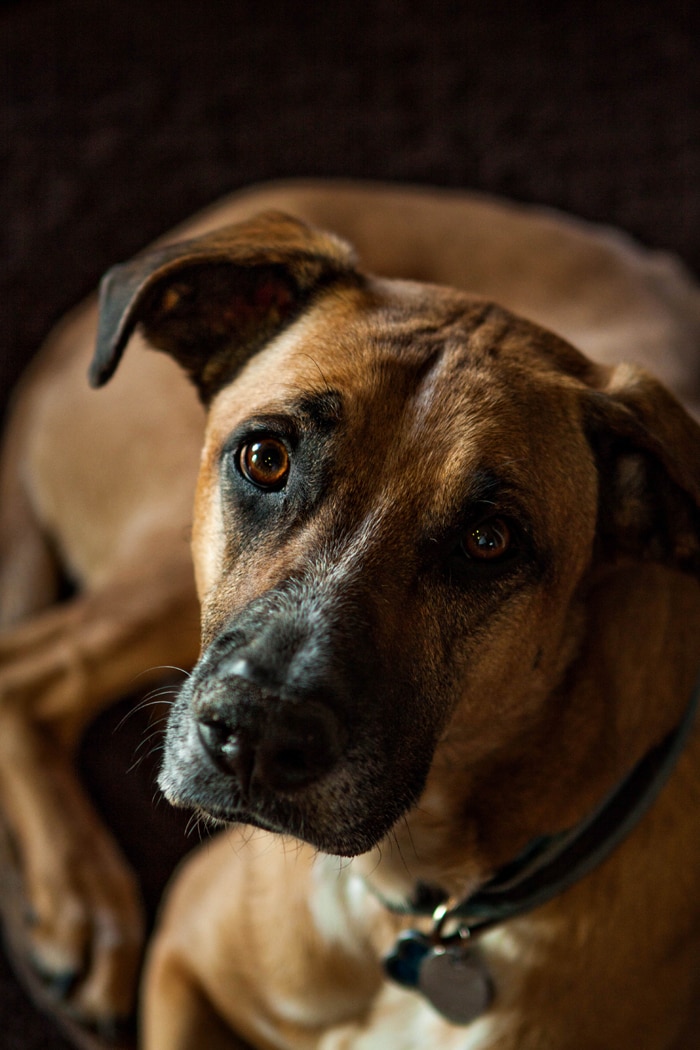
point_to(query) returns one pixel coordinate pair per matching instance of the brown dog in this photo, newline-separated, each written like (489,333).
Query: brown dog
(449,611)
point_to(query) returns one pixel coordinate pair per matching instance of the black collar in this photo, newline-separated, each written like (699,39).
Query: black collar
(553,863)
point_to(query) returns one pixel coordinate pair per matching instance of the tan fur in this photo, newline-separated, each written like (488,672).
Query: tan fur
(577,675)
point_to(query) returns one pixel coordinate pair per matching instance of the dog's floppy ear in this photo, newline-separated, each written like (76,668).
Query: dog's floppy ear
(648,451)
(213,301)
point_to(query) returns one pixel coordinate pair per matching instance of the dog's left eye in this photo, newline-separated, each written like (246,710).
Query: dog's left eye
(265,463)
(489,541)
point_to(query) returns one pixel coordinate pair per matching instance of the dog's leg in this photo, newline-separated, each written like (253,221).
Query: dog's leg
(181,1016)
(82,926)
(263,937)
(28,567)
(330,996)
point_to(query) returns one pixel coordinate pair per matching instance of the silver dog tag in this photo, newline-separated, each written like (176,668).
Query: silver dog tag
(446,968)
(455,980)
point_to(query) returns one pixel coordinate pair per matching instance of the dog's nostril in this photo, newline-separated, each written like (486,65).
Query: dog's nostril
(291,758)
(290,767)
(214,734)
(299,748)
(292,747)
(233,752)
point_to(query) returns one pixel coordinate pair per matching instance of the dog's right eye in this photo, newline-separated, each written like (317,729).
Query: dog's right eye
(489,541)
(488,548)
(264,463)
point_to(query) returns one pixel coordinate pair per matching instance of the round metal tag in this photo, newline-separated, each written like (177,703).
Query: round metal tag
(457,983)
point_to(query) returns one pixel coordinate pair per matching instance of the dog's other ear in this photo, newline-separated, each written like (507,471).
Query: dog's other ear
(214,301)
(648,451)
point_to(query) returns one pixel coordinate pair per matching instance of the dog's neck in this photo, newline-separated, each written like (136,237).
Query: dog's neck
(552,863)
(481,810)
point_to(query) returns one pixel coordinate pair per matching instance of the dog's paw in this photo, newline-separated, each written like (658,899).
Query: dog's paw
(86,950)
(74,927)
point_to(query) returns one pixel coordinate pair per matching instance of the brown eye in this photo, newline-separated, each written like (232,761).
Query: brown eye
(265,463)
(487,541)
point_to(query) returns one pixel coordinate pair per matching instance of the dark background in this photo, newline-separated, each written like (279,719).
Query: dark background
(120,117)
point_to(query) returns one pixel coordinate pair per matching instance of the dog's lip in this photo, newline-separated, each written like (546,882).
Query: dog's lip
(239,816)
(239,811)
(243,810)
(341,847)
(284,819)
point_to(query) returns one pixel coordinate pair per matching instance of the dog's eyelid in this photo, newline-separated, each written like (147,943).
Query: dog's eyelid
(279,428)
(504,504)
(493,492)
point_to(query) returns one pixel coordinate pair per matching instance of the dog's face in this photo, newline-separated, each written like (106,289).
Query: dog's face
(397,514)
(394,496)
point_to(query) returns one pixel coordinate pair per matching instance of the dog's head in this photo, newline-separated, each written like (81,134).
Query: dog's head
(407,497)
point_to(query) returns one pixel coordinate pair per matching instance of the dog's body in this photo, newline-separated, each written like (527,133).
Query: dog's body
(446,569)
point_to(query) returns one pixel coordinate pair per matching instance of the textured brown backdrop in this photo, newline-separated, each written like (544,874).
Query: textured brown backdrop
(118,119)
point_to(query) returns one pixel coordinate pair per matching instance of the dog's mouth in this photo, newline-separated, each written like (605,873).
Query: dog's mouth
(298,769)
(282,817)
(345,812)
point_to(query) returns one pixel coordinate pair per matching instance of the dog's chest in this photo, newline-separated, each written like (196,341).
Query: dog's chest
(404,1019)
(344,912)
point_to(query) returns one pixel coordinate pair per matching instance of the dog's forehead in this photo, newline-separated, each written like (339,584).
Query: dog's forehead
(396,336)
(416,362)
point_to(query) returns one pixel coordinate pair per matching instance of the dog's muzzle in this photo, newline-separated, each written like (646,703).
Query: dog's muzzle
(293,722)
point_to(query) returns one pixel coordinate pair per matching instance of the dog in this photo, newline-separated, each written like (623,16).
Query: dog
(446,541)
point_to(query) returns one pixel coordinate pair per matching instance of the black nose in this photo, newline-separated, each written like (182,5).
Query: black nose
(289,750)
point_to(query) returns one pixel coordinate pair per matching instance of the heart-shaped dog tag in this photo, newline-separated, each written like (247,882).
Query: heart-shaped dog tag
(456,982)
